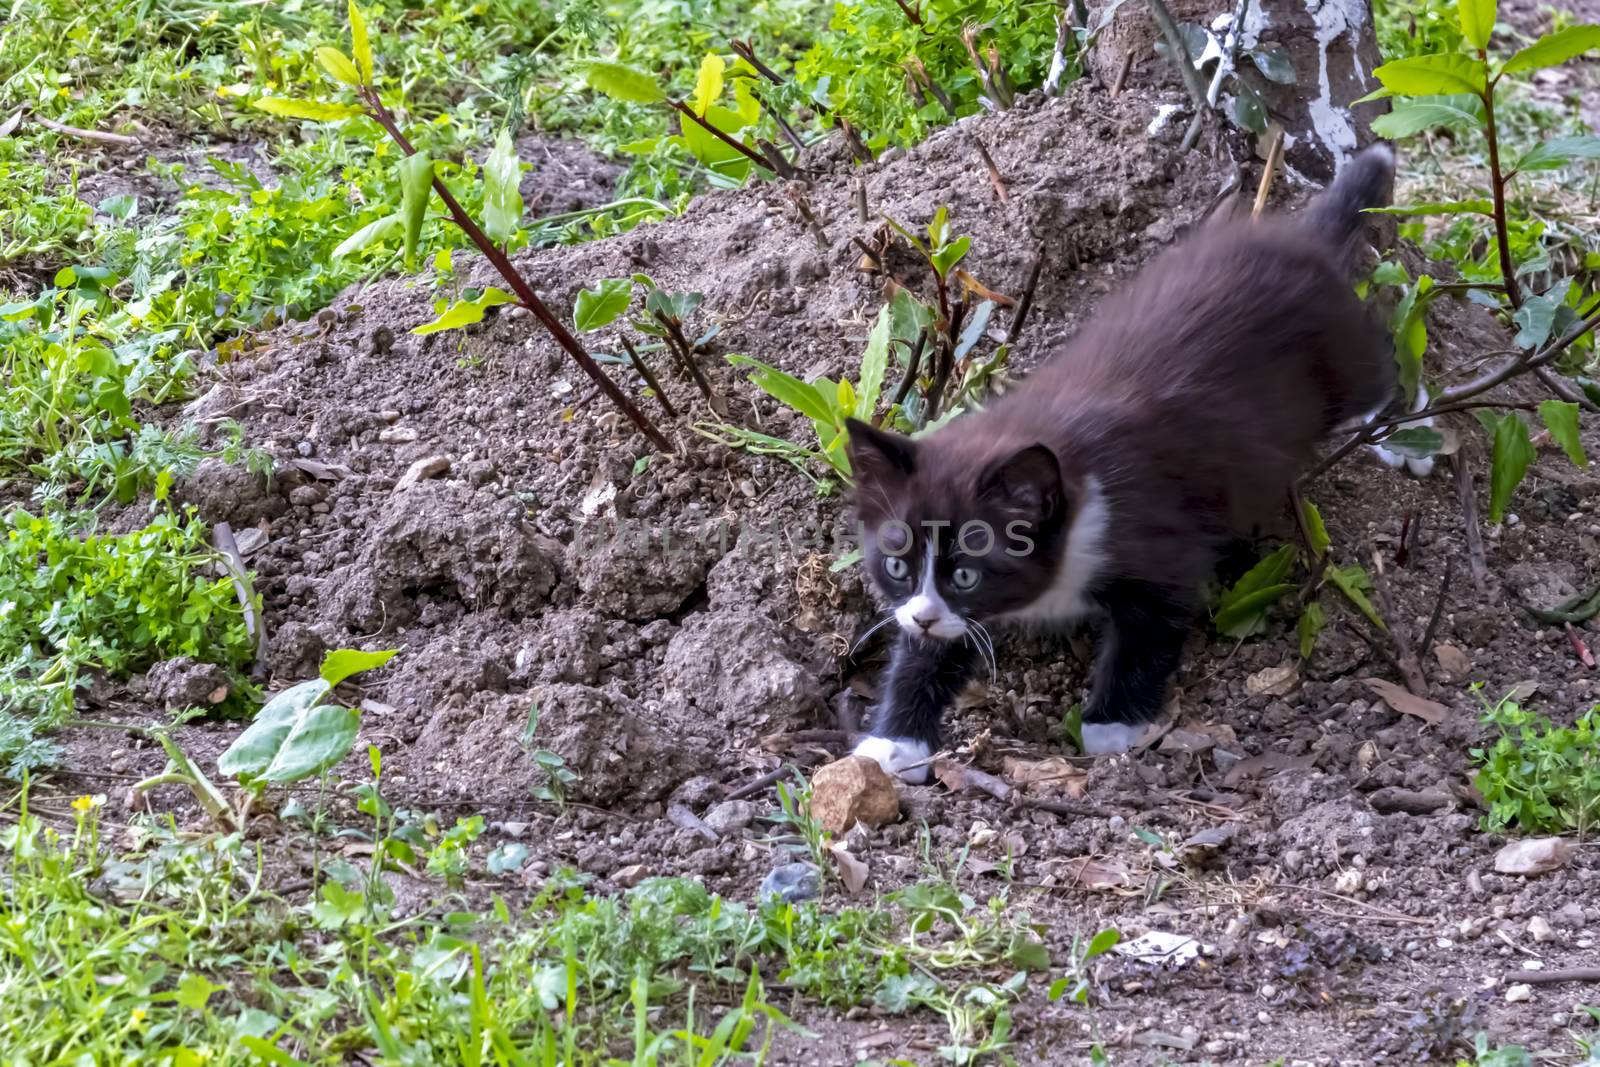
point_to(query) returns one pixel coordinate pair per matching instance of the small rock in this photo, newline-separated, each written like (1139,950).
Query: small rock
(1348,881)
(306,495)
(1570,915)
(730,816)
(306,449)
(397,435)
(1540,930)
(854,789)
(631,875)
(791,883)
(389,415)
(382,339)
(514,829)
(1453,661)
(1277,681)
(431,467)
(1534,855)
(1519,993)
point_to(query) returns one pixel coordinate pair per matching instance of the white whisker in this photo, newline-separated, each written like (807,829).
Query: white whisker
(987,640)
(880,624)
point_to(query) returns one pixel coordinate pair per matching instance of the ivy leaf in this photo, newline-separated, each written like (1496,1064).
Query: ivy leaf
(1273,62)
(622,82)
(310,110)
(602,305)
(359,43)
(416,184)
(1536,317)
(1477,21)
(316,741)
(368,235)
(252,751)
(1561,419)
(1554,49)
(1248,112)
(1414,116)
(1513,454)
(194,990)
(708,85)
(1434,75)
(1558,152)
(338,65)
(466,312)
(342,663)
(502,195)
(1414,442)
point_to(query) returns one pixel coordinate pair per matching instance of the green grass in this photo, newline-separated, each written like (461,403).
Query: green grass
(177,952)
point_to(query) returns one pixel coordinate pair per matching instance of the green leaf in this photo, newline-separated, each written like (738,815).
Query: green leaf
(710,149)
(1273,62)
(359,43)
(1513,454)
(1027,953)
(311,110)
(1414,442)
(946,257)
(502,195)
(1433,75)
(338,65)
(1477,21)
(1437,207)
(1316,529)
(874,365)
(252,751)
(1103,942)
(466,312)
(1414,116)
(1536,319)
(342,663)
(602,305)
(416,186)
(194,991)
(316,741)
(1558,152)
(1248,112)
(622,82)
(1353,582)
(1409,324)
(368,235)
(708,86)
(1243,607)
(1554,49)
(267,1052)
(1561,419)
(787,389)
(1312,620)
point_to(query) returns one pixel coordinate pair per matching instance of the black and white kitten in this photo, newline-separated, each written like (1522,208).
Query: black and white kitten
(1104,484)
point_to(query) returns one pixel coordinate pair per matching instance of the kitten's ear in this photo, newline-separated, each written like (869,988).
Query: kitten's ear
(1027,482)
(878,455)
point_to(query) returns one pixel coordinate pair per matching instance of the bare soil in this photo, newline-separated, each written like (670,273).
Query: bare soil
(1345,920)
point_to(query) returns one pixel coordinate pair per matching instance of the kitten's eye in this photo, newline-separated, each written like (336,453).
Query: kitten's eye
(965,578)
(896,568)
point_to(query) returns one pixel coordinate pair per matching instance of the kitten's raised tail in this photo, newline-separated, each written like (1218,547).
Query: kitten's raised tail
(1364,182)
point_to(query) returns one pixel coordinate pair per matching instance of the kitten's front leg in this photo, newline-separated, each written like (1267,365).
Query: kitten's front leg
(1141,642)
(923,679)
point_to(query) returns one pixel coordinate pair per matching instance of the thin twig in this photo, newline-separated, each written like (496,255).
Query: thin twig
(1438,612)
(860,189)
(750,789)
(1274,158)
(1020,317)
(802,204)
(1224,68)
(648,376)
(254,624)
(1571,974)
(1468,497)
(1405,657)
(913,361)
(1180,53)
(1122,74)
(98,136)
(994,171)
(685,352)
(732,142)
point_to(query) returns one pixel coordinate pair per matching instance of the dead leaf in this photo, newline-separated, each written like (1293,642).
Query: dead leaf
(217,695)
(1534,855)
(852,872)
(1452,661)
(421,470)
(9,125)
(1406,702)
(1052,775)
(1160,947)
(1095,873)
(377,707)
(1520,692)
(1580,648)
(1263,766)
(1211,839)
(1277,681)
(602,490)
(323,472)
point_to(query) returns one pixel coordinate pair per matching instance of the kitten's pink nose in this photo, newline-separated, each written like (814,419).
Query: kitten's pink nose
(926,621)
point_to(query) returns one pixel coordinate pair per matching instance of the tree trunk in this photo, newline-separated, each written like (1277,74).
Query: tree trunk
(1330,44)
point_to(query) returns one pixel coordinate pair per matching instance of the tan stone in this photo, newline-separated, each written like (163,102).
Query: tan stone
(853,790)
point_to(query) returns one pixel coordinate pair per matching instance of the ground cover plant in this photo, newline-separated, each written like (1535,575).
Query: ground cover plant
(328,745)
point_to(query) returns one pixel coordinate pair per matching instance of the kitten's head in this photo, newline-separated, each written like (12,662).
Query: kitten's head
(957,527)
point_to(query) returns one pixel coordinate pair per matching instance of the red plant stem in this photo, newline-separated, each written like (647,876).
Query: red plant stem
(732,142)
(1498,187)
(519,285)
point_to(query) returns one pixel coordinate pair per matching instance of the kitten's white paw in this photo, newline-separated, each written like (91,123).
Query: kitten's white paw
(1419,468)
(895,755)
(1108,738)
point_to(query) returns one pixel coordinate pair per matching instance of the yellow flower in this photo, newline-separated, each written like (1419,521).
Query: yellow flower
(87,803)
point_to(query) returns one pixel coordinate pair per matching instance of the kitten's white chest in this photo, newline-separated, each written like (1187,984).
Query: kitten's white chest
(1067,598)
